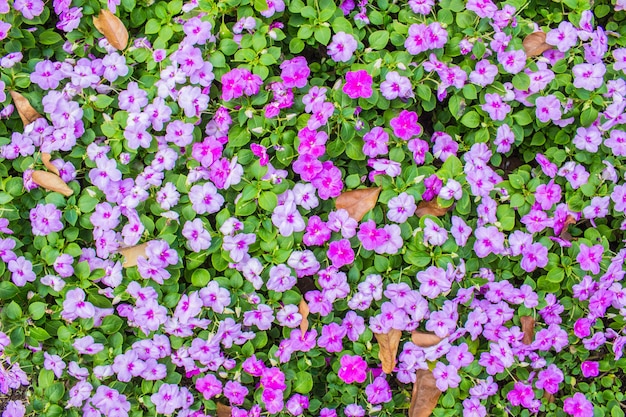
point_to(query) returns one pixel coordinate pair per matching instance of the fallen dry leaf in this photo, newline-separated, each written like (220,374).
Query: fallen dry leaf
(131,254)
(388,343)
(535,44)
(358,202)
(424,340)
(45,158)
(112,28)
(549,397)
(27,113)
(303,309)
(431,207)
(425,394)
(528,327)
(51,182)
(223,410)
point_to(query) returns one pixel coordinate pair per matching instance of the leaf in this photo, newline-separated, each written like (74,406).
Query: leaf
(424,340)
(358,202)
(430,207)
(388,348)
(535,44)
(112,28)
(45,158)
(528,327)
(27,113)
(131,254)
(565,235)
(425,394)
(223,410)
(51,182)
(303,309)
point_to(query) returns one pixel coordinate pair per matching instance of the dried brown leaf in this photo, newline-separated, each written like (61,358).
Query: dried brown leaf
(388,343)
(549,397)
(528,327)
(535,44)
(425,395)
(432,208)
(27,113)
(358,202)
(131,254)
(112,28)
(223,410)
(424,340)
(51,182)
(565,235)
(303,309)
(45,158)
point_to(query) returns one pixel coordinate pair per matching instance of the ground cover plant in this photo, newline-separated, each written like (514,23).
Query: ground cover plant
(318,207)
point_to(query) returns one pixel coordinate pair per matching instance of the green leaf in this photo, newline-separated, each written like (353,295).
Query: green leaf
(471,119)
(200,278)
(45,379)
(303,382)
(13,311)
(103,102)
(268,200)
(153,26)
(49,37)
(111,324)
(378,40)
(39,334)
(322,35)
(296,46)
(521,81)
(37,310)
(5,198)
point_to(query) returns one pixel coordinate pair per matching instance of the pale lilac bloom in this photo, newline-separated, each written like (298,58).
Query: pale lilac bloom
(396,86)
(54,363)
(564,37)
(446,376)
(197,236)
(205,198)
(288,219)
(484,74)
(495,106)
(342,47)
(512,61)
(401,207)
(22,271)
(589,76)
(434,234)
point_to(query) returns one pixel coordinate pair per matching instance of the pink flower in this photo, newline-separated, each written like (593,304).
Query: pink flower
(589,257)
(342,47)
(340,253)
(353,369)
(590,369)
(405,125)
(358,84)
(578,406)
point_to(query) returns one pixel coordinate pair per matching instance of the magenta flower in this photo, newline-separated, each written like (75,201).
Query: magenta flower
(358,84)
(340,253)
(405,125)
(589,258)
(353,369)
(446,376)
(378,392)
(295,72)
(590,369)
(578,406)
(549,379)
(434,281)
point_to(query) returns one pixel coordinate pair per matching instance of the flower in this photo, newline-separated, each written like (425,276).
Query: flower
(342,47)
(353,369)
(358,84)
(578,406)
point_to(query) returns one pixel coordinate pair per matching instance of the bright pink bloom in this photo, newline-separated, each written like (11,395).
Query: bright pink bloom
(353,369)
(358,84)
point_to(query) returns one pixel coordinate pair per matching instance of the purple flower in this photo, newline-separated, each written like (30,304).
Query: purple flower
(495,106)
(512,61)
(205,198)
(549,379)
(297,404)
(342,47)
(14,408)
(168,399)
(22,271)
(331,337)
(396,85)
(54,363)
(288,219)
(378,392)
(434,281)
(45,219)
(446,376)
(401,207)
(564,37)
(589,257)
